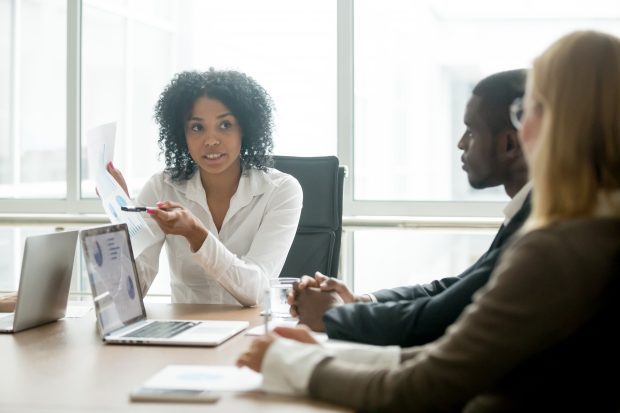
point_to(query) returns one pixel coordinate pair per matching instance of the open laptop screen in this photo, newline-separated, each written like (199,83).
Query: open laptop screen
(112,274)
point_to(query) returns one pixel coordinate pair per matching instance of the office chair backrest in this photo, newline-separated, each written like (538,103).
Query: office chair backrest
(316,246)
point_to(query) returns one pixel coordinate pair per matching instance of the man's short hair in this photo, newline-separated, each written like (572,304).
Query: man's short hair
(497,92)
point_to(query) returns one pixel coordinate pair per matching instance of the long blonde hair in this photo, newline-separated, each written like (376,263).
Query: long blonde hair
(576,82)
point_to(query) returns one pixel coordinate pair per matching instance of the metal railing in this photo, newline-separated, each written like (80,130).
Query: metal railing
(348,223)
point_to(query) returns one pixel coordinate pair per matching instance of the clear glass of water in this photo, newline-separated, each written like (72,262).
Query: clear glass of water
(278,293)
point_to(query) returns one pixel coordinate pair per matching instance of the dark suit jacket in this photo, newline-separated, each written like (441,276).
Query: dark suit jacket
(408,316)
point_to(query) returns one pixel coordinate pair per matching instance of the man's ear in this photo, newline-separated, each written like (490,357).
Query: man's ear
(509,146)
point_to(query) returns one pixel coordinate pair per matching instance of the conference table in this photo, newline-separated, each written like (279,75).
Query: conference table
(65,367)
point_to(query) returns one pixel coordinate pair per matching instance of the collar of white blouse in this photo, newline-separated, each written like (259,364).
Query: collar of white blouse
(253,183)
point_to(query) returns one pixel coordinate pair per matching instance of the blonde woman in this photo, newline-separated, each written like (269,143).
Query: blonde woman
(540,335)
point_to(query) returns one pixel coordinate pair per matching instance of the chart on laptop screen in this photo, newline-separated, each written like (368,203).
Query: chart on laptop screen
(115,294)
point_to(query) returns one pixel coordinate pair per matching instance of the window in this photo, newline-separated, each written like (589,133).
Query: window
(9,260)
(415,65)
(131,51)
(127,58)
(33,99)
(393,258)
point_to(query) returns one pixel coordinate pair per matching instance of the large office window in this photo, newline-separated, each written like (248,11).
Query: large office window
(132,49)
(127,58)
(33,98)
(415,65)
(393,258)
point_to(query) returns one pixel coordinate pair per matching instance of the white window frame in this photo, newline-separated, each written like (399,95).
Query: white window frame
(356,208)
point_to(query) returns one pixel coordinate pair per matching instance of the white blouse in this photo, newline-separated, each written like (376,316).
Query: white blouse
(234,265)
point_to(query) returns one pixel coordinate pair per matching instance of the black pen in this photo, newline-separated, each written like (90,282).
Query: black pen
(143,209)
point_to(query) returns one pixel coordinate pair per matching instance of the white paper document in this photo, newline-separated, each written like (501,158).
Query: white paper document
(100,150)
(205,378)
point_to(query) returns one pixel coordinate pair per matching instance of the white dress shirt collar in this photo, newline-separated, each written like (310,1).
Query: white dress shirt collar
(516,203)
(252,183)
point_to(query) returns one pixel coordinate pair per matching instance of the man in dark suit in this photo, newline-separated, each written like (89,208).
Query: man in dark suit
(412,315)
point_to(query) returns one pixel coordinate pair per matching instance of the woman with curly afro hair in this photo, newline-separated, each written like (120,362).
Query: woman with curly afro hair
(227,218)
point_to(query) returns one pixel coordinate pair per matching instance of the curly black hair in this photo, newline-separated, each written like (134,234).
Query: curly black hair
(243,96)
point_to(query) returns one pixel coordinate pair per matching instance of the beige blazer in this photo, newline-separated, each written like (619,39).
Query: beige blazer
(538,336)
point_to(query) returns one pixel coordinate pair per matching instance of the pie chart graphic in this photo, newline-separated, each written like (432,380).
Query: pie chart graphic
(131,290)
(120,201)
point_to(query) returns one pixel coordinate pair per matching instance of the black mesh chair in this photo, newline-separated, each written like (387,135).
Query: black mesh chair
(316,246)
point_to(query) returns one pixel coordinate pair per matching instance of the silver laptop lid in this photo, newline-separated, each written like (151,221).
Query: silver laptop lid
(47,266)
(113,277)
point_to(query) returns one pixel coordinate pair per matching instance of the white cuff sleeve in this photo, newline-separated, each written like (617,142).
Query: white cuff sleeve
(372,297)
(288,366)
(378,356)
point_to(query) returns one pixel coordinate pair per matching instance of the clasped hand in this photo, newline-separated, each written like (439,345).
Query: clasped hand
(313,296)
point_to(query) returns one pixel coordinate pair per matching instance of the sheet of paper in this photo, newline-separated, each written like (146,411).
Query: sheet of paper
(100,150)
(202,377)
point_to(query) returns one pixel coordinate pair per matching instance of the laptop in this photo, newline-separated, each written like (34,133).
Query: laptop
(47,265)
(118,301)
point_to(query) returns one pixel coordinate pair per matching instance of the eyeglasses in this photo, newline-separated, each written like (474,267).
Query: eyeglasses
(516,113)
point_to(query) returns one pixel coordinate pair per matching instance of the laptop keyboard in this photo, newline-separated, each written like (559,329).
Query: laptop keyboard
(161,329)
